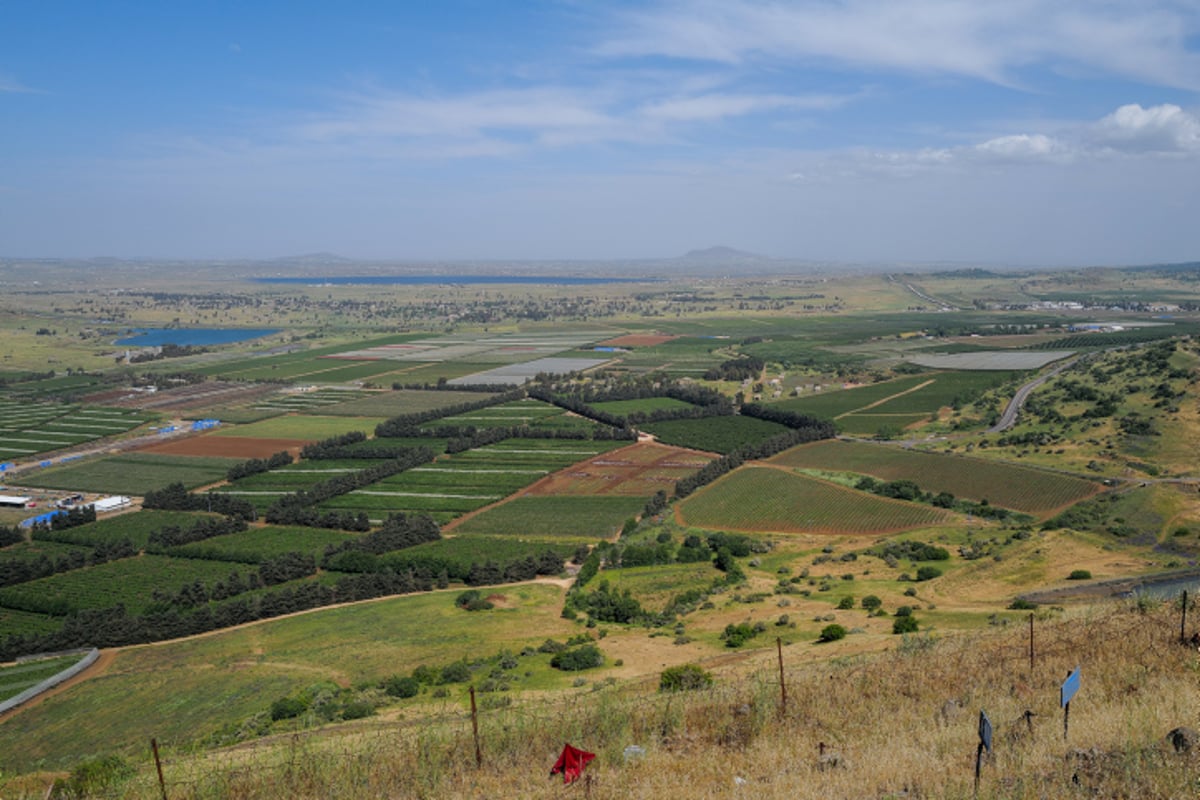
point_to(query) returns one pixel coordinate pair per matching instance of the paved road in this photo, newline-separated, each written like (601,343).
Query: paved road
(1009,417)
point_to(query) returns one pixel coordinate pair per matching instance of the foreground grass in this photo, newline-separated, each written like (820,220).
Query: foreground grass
(888,717)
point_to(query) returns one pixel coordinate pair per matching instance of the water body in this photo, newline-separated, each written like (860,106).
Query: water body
(435,280)
(195,337)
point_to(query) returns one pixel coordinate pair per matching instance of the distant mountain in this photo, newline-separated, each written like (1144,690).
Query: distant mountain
(721,253)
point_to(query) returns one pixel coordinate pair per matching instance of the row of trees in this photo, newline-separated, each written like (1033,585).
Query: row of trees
(404,424)
(15,570)
(255,466)
(174,497)
(749,452)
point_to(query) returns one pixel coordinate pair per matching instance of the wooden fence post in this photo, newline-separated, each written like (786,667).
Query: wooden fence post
(162,784)
(782,681)
(475,730)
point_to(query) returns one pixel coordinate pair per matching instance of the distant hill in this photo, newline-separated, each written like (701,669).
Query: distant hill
(313,258)
(721,253)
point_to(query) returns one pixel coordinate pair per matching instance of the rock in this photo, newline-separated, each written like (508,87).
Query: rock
(950,711)
(1183,739)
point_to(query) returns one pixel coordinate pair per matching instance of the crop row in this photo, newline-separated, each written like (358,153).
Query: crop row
(131,473)
(769,499)
(714,434)
(129,582)
(1011,486)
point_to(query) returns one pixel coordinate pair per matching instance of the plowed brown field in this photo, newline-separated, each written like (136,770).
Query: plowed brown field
(229,446)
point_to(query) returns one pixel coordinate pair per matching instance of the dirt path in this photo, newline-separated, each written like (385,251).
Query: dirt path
(890,397)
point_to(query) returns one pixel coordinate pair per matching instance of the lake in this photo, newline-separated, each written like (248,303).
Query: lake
(195,337)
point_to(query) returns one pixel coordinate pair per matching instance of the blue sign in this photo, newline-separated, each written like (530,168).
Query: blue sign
(1069,688)
(985,731)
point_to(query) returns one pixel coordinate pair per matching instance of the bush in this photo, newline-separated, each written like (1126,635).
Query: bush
(905,624)
(586,657)
(831,633)
(928,573)
(1079,575)
(93,776)
(402,687)
(357,709)
(472,600)
(287,708)
(871,602)
(683,678)
(1021,604)
(458,672)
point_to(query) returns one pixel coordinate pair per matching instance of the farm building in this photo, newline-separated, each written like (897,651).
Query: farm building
(111,503)
(12,501)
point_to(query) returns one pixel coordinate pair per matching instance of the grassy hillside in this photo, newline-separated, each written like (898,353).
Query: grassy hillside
(900,723)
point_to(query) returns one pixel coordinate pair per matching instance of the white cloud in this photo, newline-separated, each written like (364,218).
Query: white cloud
(720,106)
(1021,147)
(1146,40)
(1159,129)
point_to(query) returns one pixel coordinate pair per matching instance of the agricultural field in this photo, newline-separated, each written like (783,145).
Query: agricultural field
(639,470)
(686,356)
(238,448)
(135,526)
(713,434)
(294,366)
(534,413)
(460,553)
(400,401)
(262,489)
(645,405)
(26,623)
(35,550)
(128,581)
(1025,489)
(255,545)
(28,429)
(456,484)
(831,404)
(301,400)
(655,586)
(566,519)
(770,499)
(131,473)
(310,428)
(884,426)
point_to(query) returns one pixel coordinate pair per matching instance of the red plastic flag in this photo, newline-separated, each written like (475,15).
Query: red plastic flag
(571,763)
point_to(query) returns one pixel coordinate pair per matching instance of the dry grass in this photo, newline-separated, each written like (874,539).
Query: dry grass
(885,716)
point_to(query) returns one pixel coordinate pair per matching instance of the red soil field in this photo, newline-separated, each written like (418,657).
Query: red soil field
(228,446)
(638,340)
(640,470)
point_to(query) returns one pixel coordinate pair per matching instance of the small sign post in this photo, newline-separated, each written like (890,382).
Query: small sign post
(1069,687)
(985,743)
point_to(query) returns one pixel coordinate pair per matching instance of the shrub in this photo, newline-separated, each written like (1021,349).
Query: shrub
(472,600)
(357,709)
(871,602)
(1079,575)
(846,603)
(287,708)
(92,776)
(1021,604)
(585,657)
(905,624)
(928,573)
(402,687)
(458,672)
(904,611)
(831,633)
(683,678)
(738,635)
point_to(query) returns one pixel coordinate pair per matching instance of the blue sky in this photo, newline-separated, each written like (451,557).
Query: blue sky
(1023,132)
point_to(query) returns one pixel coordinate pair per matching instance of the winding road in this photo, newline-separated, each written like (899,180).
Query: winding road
(1009,417)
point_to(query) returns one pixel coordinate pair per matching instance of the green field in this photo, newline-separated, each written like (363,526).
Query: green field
(713,434)
(401,401)
(25,623)
(131,473)
(129,581)
(38,549)
(687,356)
(136,527)
(655,586)
(296,426)
(534,413)
(886,425)
(769,499)
(582,519)
(256,545)
(1020,488)
(833,403)
(306,400)
(27,429)
(460,553)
